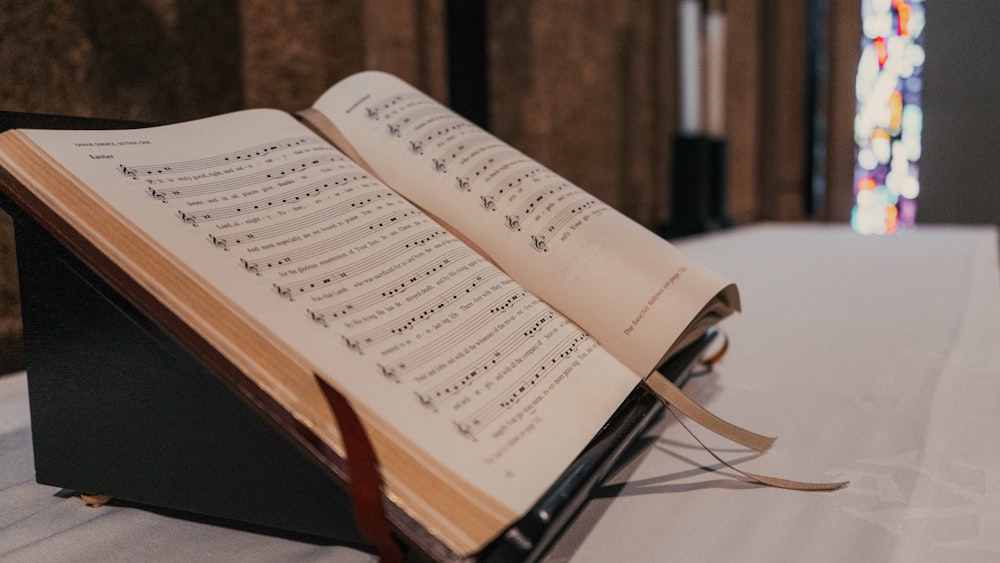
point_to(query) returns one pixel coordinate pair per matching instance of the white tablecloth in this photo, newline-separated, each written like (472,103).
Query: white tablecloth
(874,359)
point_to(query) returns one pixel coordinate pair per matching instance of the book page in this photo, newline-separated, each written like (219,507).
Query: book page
(626,286)
(480,377)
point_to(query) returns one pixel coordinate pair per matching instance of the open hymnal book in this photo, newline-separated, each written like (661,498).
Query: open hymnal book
(484,316)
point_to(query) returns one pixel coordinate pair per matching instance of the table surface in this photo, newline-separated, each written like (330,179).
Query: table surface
(874,359)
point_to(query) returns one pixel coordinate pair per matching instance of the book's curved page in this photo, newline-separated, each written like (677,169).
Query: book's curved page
(626,286)
(477,393)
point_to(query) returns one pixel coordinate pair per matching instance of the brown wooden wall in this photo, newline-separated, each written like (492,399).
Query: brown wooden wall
(585,86)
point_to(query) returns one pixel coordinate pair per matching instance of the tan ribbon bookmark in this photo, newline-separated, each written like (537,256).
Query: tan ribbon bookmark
(672,395)
(674,398)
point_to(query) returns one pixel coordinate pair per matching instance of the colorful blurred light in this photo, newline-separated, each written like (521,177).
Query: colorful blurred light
(888,122)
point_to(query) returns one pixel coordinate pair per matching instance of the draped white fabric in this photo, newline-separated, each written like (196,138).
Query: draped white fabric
(873,359)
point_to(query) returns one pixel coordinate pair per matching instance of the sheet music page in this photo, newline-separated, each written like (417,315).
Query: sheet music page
(622,283)
(485,378)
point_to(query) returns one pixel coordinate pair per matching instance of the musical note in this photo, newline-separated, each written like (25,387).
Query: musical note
(443,391)
(215,161)
(486,156)
(529,204)
(417,110)
(327,277)
(460,149)
(379,109)
(561,220)
(446,341)
(395,328)
(395,286)
(254,179)
(515,179)
(288,197)
(325,215)
(514,391)
(462,126)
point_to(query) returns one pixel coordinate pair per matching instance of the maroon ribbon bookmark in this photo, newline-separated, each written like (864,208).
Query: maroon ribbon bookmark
(364,476)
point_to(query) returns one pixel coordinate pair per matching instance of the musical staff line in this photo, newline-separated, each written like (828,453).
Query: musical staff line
(517,216)
(309,220)
(408,119)
(453,124)
(513,392)
(446,389)
(243,155)
(424,313)
(461,125)
(243,181)
(395,287)
(453,336)
(326,245)
(479,169)
(510,182)
(285,198)
(457,150)
(324,279)
(379,109)
(540,240)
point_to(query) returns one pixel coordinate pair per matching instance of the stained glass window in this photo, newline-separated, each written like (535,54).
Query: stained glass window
(888,121)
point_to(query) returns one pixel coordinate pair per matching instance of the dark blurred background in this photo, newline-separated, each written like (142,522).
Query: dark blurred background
(587,87)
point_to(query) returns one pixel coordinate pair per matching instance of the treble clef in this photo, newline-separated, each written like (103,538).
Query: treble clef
(539,243)
(282,291)
(424,400)
(190,219)
(128,171)
(513,223)
(466,429)
(253,267)
(221,243)
(318,317)
(463,183)
(388,372)
(352,344)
